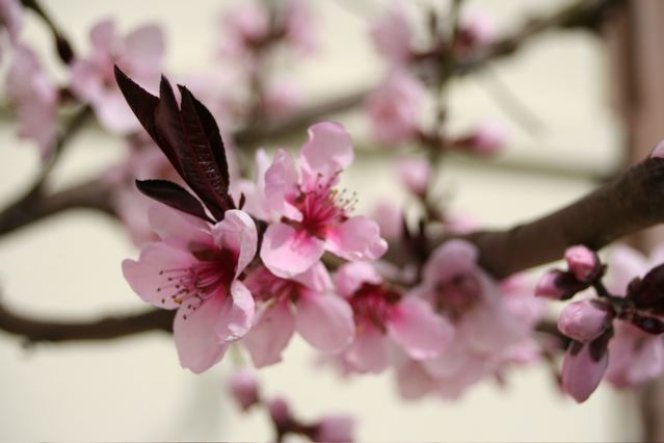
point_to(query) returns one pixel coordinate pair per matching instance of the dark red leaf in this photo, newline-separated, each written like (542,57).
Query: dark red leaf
(173,195)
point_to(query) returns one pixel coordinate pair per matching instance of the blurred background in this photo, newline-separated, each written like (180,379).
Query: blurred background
(562,98)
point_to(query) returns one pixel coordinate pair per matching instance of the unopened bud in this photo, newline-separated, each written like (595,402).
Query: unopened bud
(487,139)
(477,29)
(583,263)
(558,285)
(585,320)
(279,412)
(244,388)
(648,292)
(584,365)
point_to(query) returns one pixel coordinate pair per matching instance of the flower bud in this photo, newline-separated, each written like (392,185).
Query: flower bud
(584,320)
(648,292)
(583,263)
(584,365)
(649,324)
(415,174)
(477,29)
(334,429)
(244,389)
(279,412)
(558,285)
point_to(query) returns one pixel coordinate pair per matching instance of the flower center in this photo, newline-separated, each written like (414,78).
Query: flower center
(373,304)
(215,269)
(321,206)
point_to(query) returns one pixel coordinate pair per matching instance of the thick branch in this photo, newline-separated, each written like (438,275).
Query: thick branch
(105,328)
(630,203)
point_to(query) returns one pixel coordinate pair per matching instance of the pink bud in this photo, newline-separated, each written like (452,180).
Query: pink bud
(335,429)
(547,287)
(279,412)
(583,368)
(415,174)
(488,138)
(244,388)
(584,320)
(583,263)
(658,151)
(477,29)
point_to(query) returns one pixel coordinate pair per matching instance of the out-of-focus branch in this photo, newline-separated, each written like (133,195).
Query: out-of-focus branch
(586,14)
(94,194)
(62,45)
(33,330)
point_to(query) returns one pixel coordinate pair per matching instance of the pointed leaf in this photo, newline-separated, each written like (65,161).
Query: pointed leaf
(173,195)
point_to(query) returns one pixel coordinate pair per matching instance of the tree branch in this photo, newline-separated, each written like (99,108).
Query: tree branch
(630,203)
(105,328)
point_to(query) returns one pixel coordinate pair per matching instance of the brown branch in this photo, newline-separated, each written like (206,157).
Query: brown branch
(630,203)
(105,328)
(94,194)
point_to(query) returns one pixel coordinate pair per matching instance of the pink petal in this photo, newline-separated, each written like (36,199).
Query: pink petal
(145,276)
(197,343)
(325,321)
(413,382)
(419,330)
(287,252)
(114,113)
(86,81)
(281,183)
(368,353)
(327,152)
(144,49)
(237,315)
(103,36)
(270,335)
(316,278)
(351,276)
(451,258)
(358,238)
(182,229)
(237,232)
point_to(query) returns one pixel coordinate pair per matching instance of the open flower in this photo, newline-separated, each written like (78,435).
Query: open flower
(383,315)
(305,303)
(310,216)
(195,269)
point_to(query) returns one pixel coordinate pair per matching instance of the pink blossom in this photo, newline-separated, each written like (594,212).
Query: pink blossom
(194,268)
(583,368)
(490,325)
(334,429)
(415,174)
(585,320)
(306,304)
(35,97)
(381,313)
(392,35)
(243,386)
(309,215)
(395,107)
(281,99)
(139,54)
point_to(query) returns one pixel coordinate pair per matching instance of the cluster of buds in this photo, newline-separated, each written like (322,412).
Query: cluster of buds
(244,389)
(590,323)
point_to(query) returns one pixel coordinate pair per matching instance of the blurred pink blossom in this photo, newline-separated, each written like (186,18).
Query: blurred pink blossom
(35,97)
(389,217)
(488,138)
(392,35)
(139,55)
(281,99)
(334,429)
(194,268)
(477,29)
(395,107)
(11,19)
(415,174)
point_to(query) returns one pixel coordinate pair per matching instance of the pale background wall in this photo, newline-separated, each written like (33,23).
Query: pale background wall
(134,389)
